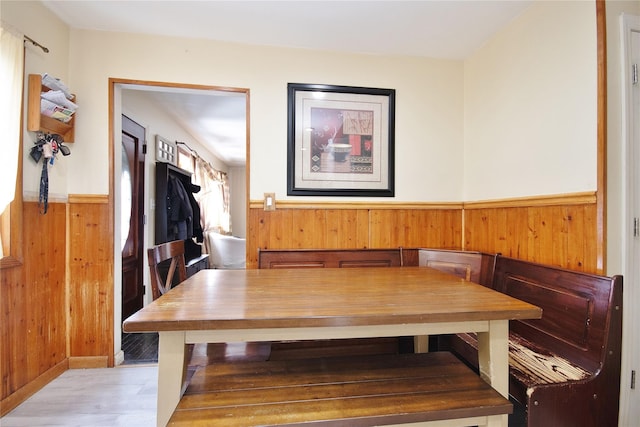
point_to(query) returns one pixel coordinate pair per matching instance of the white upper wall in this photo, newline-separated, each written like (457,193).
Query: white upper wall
(505,123)
(530,106)
(429,99)
(37,22)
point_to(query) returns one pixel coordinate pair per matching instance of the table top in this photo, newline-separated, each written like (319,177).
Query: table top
(323,297)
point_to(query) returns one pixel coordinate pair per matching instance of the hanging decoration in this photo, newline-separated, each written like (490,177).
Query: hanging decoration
(47,147)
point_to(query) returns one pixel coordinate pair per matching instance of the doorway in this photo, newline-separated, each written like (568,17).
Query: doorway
(144,115)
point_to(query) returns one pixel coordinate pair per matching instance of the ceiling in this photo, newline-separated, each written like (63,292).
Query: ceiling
(448,29)
(215,119)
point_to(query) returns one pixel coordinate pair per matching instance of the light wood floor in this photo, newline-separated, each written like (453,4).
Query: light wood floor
(115,397)
(125,396)
(109,397)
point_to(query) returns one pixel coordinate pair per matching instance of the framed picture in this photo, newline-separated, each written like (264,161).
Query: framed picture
(340,141)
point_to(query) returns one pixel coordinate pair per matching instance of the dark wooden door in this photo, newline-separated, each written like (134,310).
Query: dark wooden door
(132,219)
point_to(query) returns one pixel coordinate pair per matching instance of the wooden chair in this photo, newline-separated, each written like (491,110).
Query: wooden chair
(158,255)
(198,354)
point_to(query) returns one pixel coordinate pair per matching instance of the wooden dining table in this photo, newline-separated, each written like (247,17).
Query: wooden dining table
(218,306)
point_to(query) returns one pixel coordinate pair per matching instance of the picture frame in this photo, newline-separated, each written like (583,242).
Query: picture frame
(340,141)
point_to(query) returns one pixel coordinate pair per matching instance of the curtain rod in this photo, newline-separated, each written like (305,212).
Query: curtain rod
(199,156)
(35,43)
(190,149)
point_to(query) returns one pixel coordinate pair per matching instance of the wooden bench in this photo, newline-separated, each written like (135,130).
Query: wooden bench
(477,267)
(338,258)
(370,391)
(474,266)
(564,367)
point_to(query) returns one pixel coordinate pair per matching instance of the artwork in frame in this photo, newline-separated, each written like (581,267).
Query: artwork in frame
(340,141)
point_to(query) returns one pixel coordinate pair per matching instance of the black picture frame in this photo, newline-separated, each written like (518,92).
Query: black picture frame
(340,141)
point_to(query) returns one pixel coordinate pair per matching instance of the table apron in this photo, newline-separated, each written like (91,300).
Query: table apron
(332,332)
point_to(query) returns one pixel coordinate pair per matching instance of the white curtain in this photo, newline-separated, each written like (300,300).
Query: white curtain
(213,198)
(11,86)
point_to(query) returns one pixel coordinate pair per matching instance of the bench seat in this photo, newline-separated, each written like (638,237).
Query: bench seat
(529,365)
(533,365)
(368,391)
(565,367)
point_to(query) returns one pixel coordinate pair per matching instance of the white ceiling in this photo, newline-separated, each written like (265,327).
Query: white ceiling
(450,29)
(216,119)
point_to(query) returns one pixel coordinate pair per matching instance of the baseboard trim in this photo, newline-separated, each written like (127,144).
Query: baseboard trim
(9,403)
(119,358)
(88,362)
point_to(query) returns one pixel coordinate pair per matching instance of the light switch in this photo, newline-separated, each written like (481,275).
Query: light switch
(269,201)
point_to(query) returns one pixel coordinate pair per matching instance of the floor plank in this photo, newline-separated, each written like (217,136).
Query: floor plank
(109,397)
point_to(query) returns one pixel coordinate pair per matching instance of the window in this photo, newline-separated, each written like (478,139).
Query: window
(213,197)
(186,160)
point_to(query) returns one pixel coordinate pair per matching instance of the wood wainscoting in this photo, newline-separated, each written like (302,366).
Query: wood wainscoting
(91,282)
(33,339)
(296,225)
(560,230)
(56,307)
(554,230)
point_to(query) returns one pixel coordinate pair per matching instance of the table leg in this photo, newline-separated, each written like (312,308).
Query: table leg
(171,373)
(493,357)
(421,344)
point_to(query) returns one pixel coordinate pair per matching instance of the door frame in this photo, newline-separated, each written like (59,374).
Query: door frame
(114,150)
(630,399)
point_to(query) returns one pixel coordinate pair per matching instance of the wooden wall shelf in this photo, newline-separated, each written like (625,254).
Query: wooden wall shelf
(36,121)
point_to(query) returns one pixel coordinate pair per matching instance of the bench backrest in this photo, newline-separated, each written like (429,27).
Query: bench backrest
(581,313)
(337,258)
(473,266)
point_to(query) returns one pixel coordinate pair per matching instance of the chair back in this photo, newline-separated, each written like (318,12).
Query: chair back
(159,256)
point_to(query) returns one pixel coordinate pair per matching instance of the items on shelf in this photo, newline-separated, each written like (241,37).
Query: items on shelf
(56,84)
(51,107)
(56,105)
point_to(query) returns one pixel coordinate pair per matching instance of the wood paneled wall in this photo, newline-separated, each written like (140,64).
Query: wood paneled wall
(561,231)
(557,230)
(347,226)
(57,307)
(32,305)
(91,290)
